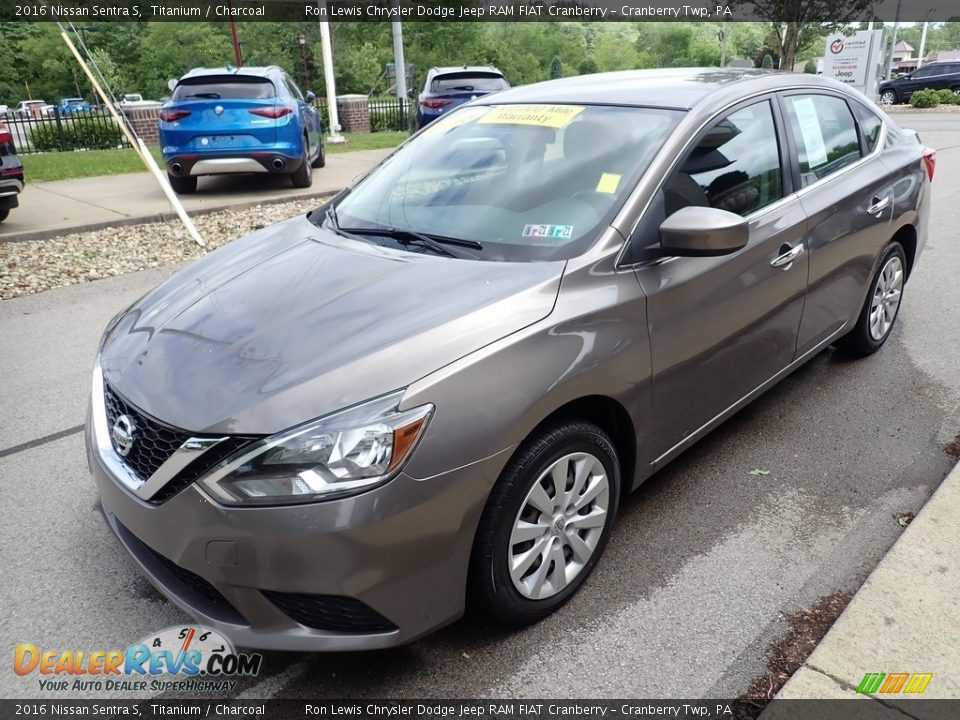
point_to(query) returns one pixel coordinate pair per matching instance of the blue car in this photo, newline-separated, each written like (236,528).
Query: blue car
(70,106)
(446,88)
(239,120)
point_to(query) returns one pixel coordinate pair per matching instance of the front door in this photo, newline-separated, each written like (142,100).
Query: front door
(722,326)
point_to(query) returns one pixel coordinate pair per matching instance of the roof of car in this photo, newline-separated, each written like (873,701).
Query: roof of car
(680,88)
(264,71)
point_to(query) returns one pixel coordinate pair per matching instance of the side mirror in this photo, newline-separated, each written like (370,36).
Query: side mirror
(696,231)
(310,97)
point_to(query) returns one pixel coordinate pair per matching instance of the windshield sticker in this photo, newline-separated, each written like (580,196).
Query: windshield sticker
(608,183)
(454,120)
(552,232)
(550,116)
(810,131)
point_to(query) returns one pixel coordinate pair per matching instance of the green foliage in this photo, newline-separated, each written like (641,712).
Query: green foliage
(810,67)
(925,98)
(948,97)
(556,68)
(87,133)
(767,63)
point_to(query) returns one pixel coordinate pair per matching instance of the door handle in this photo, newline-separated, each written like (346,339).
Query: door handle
(787,256)
(879,205)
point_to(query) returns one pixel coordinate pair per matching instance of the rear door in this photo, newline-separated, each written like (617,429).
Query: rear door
(847,194)
(720,327)
(226,112)
(309,115)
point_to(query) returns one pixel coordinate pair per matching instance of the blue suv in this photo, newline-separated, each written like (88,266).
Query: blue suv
(239,120)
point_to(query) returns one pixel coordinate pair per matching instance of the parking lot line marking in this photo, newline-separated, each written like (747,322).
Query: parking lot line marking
(40,441)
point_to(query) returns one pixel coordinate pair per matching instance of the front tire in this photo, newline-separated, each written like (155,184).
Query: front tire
(546,523)
(4,213)
(880,309)
(183,185)
(888,97)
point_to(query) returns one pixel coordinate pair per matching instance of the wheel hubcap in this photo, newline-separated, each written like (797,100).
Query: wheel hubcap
(886,298)
(559,526)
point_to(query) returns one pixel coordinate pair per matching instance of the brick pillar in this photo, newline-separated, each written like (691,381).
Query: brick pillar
(354,111)
(145,121)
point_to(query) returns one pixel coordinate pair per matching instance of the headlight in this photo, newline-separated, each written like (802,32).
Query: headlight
(341,454)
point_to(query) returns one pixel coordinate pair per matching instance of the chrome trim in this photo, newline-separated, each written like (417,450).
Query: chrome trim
(878,207)
(189,451)
(217,166)
(786,260)
(744,401)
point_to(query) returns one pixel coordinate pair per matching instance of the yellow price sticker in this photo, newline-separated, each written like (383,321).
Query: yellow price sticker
(608,183)
(551,116)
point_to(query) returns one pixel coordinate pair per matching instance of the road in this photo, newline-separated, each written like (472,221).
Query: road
(703,565)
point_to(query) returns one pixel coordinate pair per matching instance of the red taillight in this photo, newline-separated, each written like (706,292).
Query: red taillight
(171,115)
(434,103)
(930,161)
(5,136)
(272,112)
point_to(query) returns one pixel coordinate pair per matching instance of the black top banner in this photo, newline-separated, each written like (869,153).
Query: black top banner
(475,10)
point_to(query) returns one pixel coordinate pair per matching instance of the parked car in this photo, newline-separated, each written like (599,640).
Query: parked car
(33,108)
(437,388)
(943,75)
(251,119)
(71,106)
(11,173)
(447,88)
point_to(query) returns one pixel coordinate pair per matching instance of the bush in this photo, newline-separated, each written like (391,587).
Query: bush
(80,133)
(948,97)
(925,98)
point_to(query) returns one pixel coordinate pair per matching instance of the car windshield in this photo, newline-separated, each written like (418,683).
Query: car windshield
(528,182)
(474,82)
(236,87)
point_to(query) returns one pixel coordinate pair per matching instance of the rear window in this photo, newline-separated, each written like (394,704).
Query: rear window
(468,82)
(226,87)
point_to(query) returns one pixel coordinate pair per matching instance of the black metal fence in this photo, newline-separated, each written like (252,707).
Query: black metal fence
(389,114)
(55,131)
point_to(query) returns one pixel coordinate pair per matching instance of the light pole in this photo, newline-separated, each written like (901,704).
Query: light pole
(303,56)
(893,41)
(334,136)
(923,38)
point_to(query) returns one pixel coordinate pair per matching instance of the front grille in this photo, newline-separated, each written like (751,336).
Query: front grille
(331,612)
(154,442)
(200,466)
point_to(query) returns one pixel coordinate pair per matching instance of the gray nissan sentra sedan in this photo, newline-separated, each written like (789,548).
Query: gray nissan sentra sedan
(435,391)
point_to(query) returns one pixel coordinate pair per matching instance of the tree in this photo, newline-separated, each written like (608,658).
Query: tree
(797,24)
(556,68)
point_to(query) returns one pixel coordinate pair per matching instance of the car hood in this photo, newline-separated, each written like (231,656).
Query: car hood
(294,322)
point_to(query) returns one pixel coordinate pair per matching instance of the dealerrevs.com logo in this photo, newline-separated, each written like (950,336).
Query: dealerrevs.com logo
(177,658)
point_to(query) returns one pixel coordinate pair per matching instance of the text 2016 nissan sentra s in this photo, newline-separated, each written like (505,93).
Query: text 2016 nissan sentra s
(434,391)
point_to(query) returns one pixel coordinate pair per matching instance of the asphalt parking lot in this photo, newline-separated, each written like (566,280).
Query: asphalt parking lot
(704,564)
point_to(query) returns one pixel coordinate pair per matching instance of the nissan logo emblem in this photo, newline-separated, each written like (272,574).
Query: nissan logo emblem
(123,435)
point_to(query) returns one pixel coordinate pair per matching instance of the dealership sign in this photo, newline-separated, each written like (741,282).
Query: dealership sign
(854,59)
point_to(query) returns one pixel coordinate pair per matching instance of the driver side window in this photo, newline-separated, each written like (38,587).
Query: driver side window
(734,167)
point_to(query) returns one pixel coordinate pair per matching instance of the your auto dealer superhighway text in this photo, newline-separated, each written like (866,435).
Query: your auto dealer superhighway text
(679,710)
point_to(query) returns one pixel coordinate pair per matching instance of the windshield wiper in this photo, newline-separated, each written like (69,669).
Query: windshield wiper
(438,243)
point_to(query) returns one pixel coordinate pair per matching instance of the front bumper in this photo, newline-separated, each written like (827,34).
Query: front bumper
(402,550)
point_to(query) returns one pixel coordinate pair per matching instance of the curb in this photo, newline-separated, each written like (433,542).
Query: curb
(853,644)
(156,217)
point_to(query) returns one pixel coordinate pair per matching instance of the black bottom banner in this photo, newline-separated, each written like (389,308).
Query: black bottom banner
(855,709)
